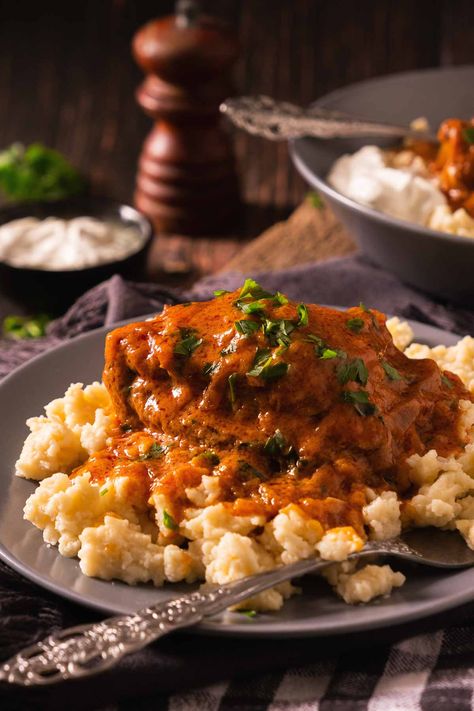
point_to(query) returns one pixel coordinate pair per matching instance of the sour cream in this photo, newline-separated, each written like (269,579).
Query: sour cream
(55,244)
(401,192)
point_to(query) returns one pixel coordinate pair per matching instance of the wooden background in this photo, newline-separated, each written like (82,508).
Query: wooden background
(67,77)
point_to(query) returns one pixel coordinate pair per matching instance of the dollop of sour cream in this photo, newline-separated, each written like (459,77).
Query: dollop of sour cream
(366,177)
(55,244)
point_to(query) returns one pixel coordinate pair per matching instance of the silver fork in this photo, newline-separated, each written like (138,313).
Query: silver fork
(280,120)
(88,649)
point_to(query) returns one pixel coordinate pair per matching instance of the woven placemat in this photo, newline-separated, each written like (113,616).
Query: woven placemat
(311,234)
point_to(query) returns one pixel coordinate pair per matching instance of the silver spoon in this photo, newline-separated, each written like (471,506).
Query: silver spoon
(87,649)
(280,120)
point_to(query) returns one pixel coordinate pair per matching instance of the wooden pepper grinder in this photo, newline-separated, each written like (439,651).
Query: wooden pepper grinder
(186,182)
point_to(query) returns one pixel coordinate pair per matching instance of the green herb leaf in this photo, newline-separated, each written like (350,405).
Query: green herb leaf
(232,381)
(221,292)
(252,307)
(37,173)
(188,343)
(211,458)
(252,289)
(103,492)
(328,354)
(468,134)
(391,372)
(25,327)
(248,471)
(446,381)
(355,324)
(169,521)
(246,327)
(315,200)
(364,307)
(209,368)
(279,299)
(302,311)
(360,400)
(265,367)
(156,450)
(277,446)
(278,332)
(355,370)
(248,613)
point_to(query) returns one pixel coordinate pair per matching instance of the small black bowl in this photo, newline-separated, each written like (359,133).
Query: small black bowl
(53,291)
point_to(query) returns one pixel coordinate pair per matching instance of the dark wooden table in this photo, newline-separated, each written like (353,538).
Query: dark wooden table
(67,78)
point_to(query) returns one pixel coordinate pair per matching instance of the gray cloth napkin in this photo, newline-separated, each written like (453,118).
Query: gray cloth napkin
(427,665)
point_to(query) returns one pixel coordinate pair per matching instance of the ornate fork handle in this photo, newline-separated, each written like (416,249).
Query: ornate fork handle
(279,120)
(91,648)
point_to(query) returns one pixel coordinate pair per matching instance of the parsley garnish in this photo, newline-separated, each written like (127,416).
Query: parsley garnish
(392,373)
(277,446)
(221,292)
(169,521)
(248,470)
(446,381)
(468,134)
(246,327)
(252,307)
(188,343)
(19,327)
(247,613)
(209,368)
(264,366)
(322,350)
(355,324)
(279,299)
(103,492)
(302,311)
(355,370)
(252,289)
(328,354)
(360,400)
(315,200)
(231,380)
(278,332)
(211,458)
(156,450)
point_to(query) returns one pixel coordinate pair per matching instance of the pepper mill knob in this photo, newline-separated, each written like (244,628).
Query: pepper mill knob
(187,181)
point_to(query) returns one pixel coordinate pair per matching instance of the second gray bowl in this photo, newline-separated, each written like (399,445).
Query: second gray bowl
(438,263)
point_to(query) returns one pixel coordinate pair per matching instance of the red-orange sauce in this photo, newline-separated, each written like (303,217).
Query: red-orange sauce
(343,409)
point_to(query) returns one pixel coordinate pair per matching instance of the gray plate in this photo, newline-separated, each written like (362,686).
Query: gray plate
(433,261)
(316,612)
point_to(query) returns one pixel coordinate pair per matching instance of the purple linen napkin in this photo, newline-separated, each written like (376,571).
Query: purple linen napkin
(395,670)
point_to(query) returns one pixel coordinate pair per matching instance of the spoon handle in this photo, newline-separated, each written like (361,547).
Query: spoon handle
(278,120)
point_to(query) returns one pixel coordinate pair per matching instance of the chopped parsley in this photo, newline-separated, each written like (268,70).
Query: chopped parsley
(278,332)
(188,343)
(103,492)
(156,450)
(252,289)
(248,613)
(315,200)
(221,292)
(446,381)
(211,458)
(231,381)
(209,368)
(355,324)
(468,134)
(247,470)
(391,372)
(246,327)
(302,311)
(279,299)
(360,400)
(169,521)
(322,350)
(355,370)
(251,307)
(24,327)
(277,446)
(328,354)
(265,367)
